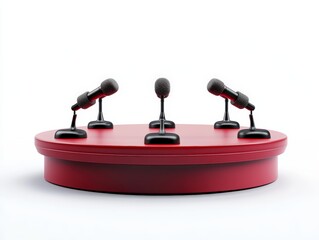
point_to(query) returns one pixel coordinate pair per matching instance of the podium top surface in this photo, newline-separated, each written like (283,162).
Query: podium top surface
(124,144)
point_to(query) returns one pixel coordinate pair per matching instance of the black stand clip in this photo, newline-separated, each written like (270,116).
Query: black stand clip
(71,132)
(253,132)
(226,123)
(100,123)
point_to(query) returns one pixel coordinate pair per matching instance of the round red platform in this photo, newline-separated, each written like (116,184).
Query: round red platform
(117,160)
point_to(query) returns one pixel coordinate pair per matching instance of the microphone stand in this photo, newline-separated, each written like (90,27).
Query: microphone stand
(253,132)
(157,123)
(71,132)
(162,137)
(226,123)
(162,118)
(100,123)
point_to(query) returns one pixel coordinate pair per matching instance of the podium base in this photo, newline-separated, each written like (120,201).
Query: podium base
(206,160)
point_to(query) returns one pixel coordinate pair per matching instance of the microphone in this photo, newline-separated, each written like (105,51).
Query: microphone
(87,99)
(238,99)
(162,89)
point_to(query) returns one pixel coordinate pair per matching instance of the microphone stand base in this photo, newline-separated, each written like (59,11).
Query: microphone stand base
(226,125)
(167,124)
(100,125)
(157,138)
(254,133)
(70,133)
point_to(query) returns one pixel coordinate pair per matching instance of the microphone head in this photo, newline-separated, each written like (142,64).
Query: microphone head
(162,87)
(109,87)
(216,86)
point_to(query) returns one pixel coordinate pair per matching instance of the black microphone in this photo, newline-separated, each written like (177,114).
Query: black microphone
(238,99)
(162,89)
(87,99)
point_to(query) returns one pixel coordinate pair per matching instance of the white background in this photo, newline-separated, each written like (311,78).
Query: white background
(52,51)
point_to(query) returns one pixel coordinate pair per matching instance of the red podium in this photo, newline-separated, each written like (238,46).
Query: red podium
(117,160)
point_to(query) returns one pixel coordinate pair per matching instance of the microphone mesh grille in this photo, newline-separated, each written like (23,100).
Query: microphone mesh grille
(162,87)
(215,86)
(109,86)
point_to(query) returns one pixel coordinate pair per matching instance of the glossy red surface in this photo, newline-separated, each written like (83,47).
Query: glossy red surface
(117,160)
